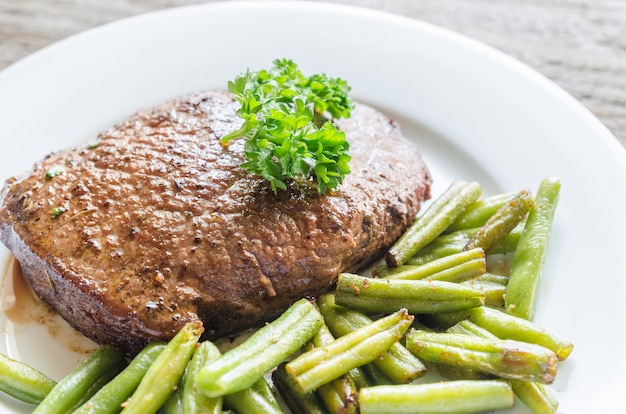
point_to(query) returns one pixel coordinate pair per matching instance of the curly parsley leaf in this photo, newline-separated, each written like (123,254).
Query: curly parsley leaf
(288,125)
(54,171)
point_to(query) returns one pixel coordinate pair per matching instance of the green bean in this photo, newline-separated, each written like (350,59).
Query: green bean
(526,269)
(493,232)
(441,321)
(321,365)
(504,358)
(257,399)
(536,396)
(462,272)
(468,327)
(397,363)
(245,364)
(194,401)
(296,400)
(463,324)
(339,395)
(323,337)
(109,398)
(22,381)
(492,286)
(437,398)
(418,296)
(455,372)
(454,268)
(376,375)
(506,326)
(489,277)
(84,381)
(480,211)
(444,245)
(437,217)
(360,377)
(164,375)
(174,404)
(262,387)
(510,241)
(452,243)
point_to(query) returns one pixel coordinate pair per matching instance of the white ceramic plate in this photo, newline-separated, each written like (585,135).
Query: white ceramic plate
(476,114)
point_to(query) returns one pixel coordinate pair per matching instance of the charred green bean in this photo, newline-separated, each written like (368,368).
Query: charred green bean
(505,219)
(538,397)
(506,326)
(504,358)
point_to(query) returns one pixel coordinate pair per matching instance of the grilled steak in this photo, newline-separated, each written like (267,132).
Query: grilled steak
(158,225)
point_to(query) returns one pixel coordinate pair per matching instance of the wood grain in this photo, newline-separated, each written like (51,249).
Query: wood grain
(579,44)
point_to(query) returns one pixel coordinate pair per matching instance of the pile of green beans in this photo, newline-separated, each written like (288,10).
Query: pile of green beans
(435,302)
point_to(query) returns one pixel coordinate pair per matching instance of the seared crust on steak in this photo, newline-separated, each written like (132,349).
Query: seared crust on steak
(160,225)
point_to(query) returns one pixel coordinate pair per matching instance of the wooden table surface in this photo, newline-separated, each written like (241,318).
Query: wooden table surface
(579,44)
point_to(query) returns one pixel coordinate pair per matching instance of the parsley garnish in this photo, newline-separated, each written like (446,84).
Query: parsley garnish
(54,171)
(288,125)
(57,211)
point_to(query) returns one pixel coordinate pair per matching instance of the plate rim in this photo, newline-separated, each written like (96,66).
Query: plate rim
(601,133)
(479,46)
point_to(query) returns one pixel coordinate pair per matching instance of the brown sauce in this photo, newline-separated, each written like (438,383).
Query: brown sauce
(20,308)
(17,301)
